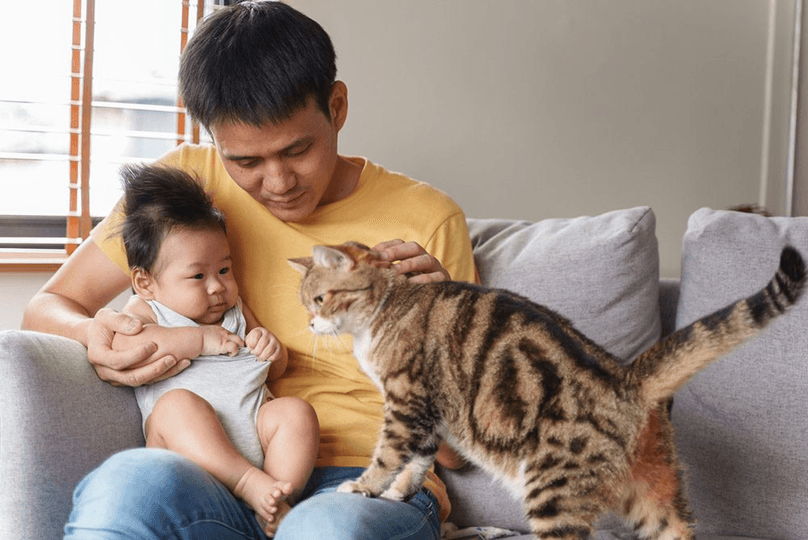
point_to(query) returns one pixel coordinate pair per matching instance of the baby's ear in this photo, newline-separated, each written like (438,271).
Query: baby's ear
(143,283)
(302,264)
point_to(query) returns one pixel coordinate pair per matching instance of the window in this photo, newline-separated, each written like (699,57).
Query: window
(78,100)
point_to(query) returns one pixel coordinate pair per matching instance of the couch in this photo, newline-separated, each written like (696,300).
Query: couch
(742,423)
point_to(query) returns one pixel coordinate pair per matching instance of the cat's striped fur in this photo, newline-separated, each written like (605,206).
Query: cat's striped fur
(517,390)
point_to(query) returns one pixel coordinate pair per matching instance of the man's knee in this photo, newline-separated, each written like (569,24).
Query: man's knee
(131,472)
(351,516)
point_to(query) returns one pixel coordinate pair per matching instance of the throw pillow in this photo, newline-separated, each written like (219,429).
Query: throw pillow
(741,423)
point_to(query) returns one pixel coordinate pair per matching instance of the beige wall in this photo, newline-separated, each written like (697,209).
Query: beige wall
(556,108)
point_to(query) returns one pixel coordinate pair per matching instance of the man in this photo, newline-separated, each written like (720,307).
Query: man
(261,77)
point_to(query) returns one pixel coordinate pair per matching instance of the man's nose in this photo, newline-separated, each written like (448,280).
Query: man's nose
(278,178)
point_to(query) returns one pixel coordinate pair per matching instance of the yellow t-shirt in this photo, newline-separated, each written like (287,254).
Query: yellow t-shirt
(322,370)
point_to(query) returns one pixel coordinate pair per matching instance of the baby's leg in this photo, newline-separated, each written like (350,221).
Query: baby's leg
(184,422)
(290,435)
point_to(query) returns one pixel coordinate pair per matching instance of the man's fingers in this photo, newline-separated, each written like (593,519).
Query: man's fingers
(137,356)
(384,246)
(429,278)
(158,370)
(116,321)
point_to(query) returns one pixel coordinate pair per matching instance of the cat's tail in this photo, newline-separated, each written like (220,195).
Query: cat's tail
(664,368)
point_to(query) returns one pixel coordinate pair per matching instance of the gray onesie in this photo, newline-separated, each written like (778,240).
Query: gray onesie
(233,385)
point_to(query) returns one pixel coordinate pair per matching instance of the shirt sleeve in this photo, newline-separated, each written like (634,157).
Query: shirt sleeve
(451,244)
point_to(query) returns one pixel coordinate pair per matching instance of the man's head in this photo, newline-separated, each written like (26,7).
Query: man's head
(256,63)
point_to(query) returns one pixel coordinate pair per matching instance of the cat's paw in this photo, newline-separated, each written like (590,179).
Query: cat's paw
(353,486)
(393,494)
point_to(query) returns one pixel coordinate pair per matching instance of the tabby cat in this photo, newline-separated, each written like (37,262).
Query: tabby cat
(518,391)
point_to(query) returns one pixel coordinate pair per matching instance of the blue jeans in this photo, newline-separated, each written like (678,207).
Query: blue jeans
(157,494)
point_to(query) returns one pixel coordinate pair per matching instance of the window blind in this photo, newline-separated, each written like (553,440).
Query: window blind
(94,87)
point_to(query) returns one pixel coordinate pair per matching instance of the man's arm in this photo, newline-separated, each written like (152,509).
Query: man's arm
(71,304)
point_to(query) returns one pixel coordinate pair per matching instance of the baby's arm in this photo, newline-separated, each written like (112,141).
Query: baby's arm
(265,345)
(180,342)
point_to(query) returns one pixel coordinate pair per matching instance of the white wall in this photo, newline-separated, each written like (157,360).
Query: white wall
(556,108)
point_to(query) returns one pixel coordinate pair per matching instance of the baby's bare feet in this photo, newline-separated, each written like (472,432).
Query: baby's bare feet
(266,496)
(271,527)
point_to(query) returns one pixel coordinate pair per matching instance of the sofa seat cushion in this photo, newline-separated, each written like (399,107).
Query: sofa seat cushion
(742,423)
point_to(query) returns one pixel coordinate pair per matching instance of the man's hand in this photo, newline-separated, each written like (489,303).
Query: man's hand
(264,344)
(134,365)
(411,258)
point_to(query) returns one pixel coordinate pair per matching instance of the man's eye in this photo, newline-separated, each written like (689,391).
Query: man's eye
(298,151)
(247,163)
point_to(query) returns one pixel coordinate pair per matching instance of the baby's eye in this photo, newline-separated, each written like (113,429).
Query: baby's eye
(199,276)
(224,270)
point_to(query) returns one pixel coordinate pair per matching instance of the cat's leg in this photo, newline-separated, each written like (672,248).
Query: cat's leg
(410,479)
(406,448)
(563,497)
(655,503)
(560,513)
(655,518)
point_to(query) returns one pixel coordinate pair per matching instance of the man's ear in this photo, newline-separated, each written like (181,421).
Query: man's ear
(338,104)
(143,283)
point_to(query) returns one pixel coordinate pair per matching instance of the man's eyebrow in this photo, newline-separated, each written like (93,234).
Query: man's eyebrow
(232,157)
(301,141)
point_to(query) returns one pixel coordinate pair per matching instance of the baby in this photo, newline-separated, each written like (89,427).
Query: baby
(217,412)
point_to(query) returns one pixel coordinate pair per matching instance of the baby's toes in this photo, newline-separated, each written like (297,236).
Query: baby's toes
(268,527)
(286,488)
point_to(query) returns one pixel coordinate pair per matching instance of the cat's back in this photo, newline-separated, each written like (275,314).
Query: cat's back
(468,333)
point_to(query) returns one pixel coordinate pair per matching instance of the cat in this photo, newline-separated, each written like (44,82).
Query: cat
(518,391)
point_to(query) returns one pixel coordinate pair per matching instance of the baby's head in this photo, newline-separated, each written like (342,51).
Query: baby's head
(176,244)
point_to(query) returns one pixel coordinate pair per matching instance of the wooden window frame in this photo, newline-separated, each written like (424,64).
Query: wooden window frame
(26,250)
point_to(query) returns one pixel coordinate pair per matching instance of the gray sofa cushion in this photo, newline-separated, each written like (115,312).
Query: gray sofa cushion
(742,423)
(601,272)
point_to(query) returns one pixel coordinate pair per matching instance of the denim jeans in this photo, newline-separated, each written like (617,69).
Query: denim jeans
(156,494)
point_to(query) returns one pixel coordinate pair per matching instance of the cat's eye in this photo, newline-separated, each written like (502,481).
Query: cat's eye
(318,300)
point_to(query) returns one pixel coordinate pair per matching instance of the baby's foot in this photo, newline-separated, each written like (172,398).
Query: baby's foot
(271,527)
(265,495)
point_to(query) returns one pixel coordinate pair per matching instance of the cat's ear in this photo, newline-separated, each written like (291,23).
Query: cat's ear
(302,265)
(330,257)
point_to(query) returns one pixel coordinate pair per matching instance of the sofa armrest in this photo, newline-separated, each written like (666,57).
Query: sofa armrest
(58,421)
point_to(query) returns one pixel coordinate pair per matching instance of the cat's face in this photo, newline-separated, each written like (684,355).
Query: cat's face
(341,286)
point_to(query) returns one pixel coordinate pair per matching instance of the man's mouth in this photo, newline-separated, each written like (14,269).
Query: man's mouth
(286,202)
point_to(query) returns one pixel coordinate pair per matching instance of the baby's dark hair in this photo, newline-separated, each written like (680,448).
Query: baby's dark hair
(256,62)
(158,199)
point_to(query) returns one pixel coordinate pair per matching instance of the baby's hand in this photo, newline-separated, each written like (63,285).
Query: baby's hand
(263,344)
(217,340)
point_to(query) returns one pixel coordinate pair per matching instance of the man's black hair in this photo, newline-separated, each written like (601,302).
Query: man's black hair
(255,63)
(156,200)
